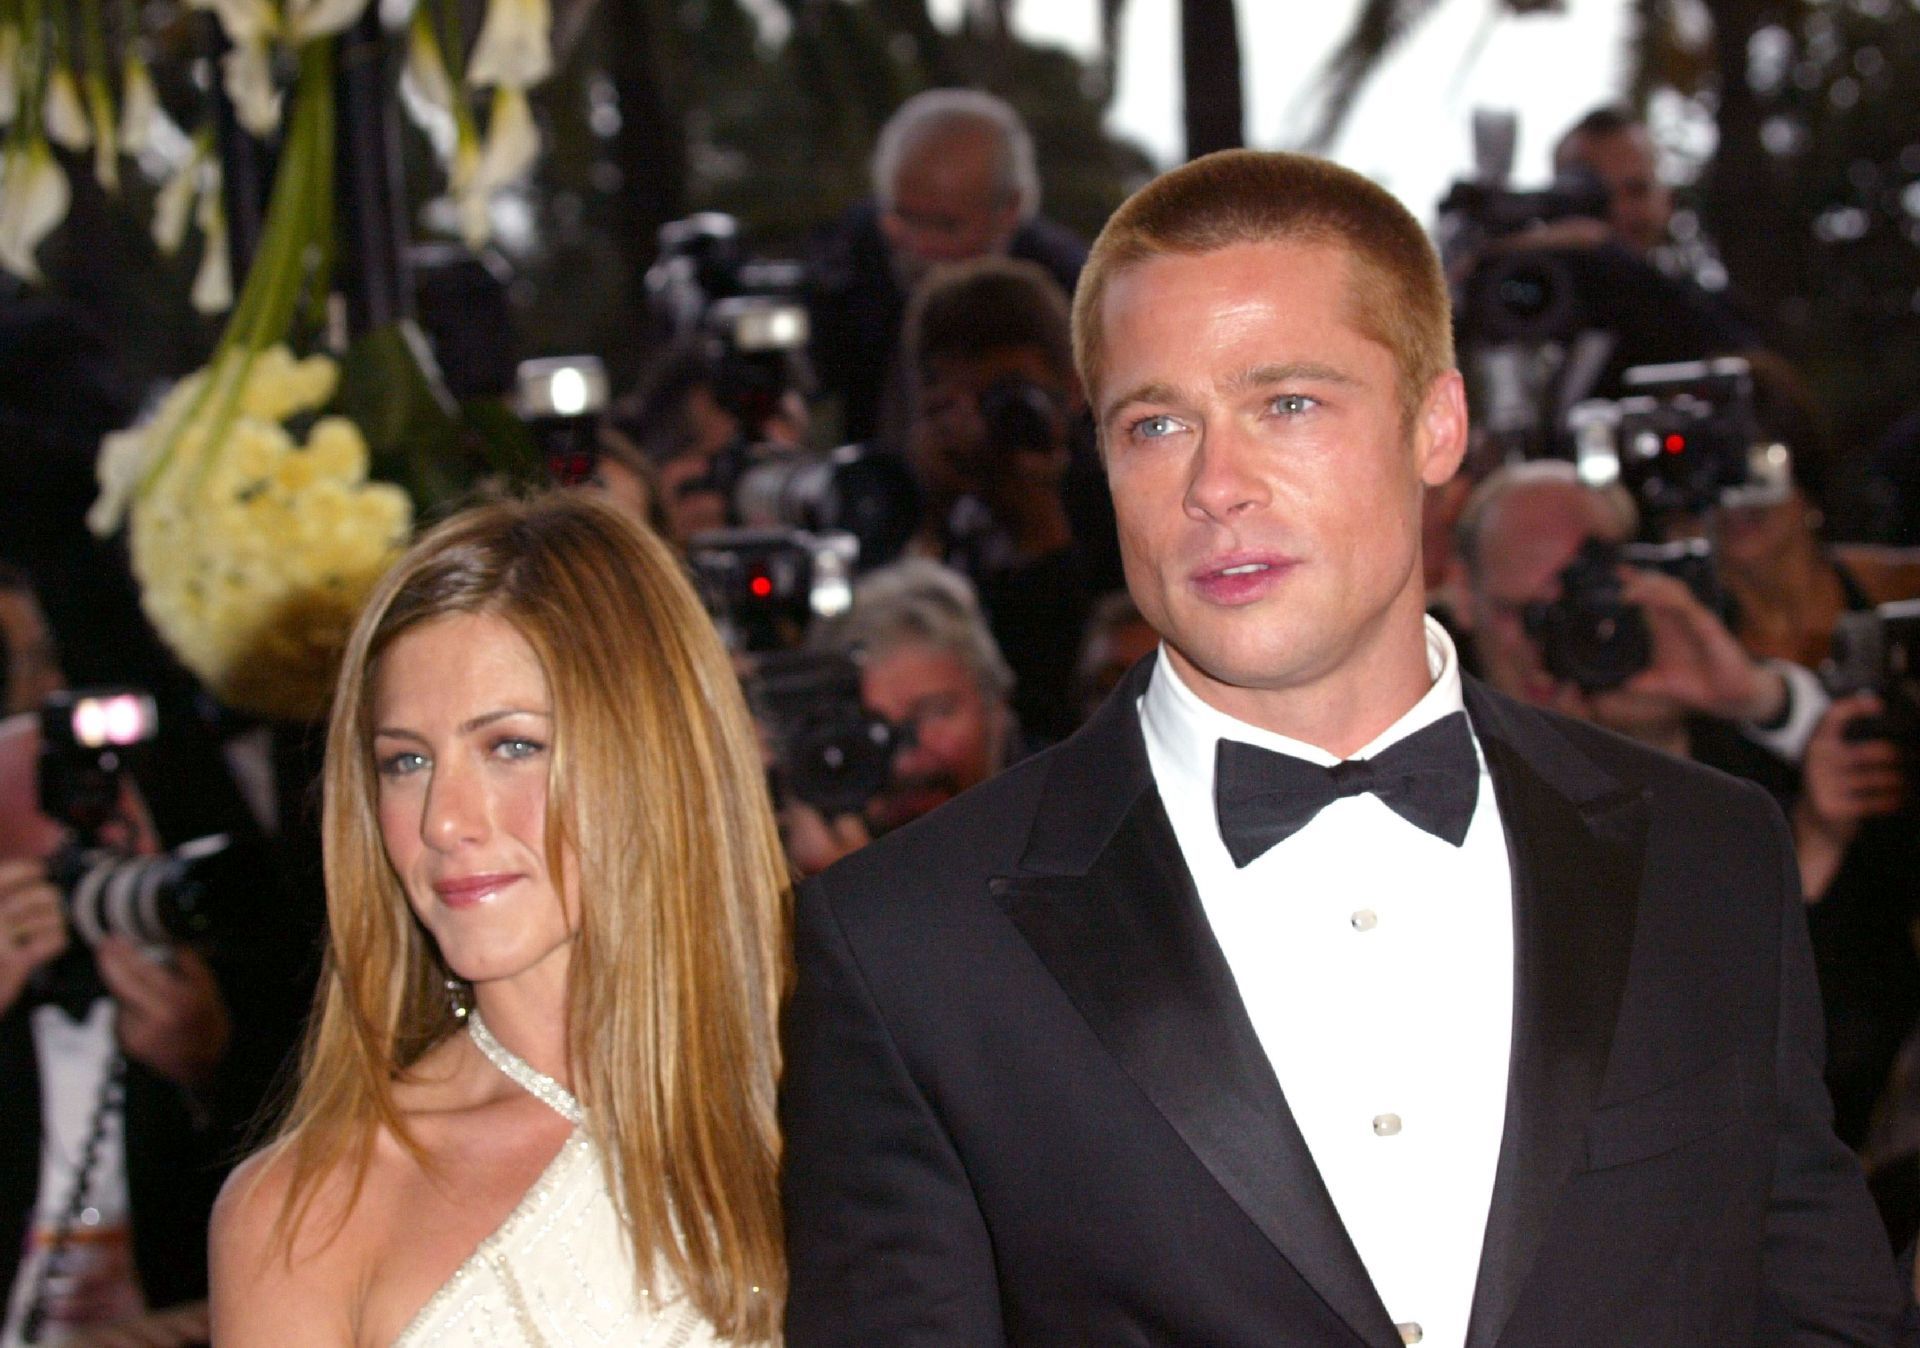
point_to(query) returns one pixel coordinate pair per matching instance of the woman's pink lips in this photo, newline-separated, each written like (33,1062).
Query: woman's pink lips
(467,890)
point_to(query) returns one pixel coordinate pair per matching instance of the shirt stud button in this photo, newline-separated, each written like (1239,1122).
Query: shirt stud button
(1365,920)
(1387,1125)
(1410,1332)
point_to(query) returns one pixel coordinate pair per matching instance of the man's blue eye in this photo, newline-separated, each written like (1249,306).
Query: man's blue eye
(1292,404)
(1152,428)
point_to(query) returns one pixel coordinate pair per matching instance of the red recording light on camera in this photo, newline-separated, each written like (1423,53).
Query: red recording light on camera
(761,586)
(1675,443)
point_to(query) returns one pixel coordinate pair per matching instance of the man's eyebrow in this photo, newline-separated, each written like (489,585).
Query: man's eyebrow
(1254,377)
(1150,392)
(1262,376)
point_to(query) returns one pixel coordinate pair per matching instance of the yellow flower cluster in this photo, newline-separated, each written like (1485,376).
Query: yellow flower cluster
(253,551)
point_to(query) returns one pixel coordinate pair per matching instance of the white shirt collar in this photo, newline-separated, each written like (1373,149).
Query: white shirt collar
(1183,729)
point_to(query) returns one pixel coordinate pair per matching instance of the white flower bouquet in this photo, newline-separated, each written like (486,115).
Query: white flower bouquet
(253,549)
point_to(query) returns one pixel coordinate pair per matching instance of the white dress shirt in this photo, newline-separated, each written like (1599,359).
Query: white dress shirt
(1376,963)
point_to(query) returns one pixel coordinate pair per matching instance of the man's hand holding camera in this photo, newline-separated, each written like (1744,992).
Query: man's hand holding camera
(33,930)
(1696,662)
(1845,780)
(171,1016)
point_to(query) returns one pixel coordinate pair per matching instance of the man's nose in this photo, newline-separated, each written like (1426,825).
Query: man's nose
(1224,479)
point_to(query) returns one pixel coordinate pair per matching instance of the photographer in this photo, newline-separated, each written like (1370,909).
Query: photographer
(1702,695)
(130,1073)
(677,443)
(1012,498)
(1856,827)
(930,669)
(953,179)
(1521,532)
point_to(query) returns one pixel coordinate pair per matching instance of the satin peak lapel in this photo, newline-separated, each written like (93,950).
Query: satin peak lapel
(1107,904)
(1576,837)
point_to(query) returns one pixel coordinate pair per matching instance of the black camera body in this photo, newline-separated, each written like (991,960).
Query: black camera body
(1684,441)
(704,286)
(1521,294)
(1593,638)
(861,491)
(87,739)
(764,587)
(1021,417)
(1878,651)
(830,751)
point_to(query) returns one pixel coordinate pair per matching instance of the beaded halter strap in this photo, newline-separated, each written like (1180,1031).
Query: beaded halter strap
(517,1070)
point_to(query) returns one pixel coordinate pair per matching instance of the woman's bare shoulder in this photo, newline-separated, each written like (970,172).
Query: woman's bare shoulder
(277,1285)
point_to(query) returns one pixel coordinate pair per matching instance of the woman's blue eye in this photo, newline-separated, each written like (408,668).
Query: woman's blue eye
(519,748)
(401,763)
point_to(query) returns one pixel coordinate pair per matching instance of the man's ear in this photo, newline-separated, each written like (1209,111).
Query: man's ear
(1440,429)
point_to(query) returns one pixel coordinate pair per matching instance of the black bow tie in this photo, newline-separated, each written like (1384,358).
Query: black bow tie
(1431,778)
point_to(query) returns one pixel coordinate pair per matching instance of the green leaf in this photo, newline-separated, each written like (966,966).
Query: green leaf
(417,436)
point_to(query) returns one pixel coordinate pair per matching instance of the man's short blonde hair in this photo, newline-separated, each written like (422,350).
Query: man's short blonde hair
(1398,293)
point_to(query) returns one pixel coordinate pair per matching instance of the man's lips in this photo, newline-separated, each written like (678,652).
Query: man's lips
(1239,578)
(464,891)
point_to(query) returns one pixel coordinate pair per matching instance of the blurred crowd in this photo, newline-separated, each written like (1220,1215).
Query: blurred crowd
(1639,540)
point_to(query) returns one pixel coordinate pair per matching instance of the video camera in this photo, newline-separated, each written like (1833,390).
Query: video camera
(87,739)
(1878,651)
(1684,441)
(1592,637)
(1519,295)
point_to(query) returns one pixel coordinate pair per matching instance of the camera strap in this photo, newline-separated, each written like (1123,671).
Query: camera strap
(110,1104)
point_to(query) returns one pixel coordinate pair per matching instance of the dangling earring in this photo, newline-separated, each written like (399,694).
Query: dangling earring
(459,997)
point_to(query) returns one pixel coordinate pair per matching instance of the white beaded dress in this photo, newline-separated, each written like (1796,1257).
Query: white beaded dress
(557,1271)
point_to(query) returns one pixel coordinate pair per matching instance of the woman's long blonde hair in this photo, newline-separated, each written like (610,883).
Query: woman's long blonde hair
(656,787)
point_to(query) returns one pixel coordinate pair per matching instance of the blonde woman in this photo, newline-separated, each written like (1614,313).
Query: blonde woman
(537,1101)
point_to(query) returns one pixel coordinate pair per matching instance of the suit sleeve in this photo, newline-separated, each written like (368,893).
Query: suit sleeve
(885,1243)
(1828,1270)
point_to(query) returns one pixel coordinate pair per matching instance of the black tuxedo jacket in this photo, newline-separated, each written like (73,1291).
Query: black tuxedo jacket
(1024,1104)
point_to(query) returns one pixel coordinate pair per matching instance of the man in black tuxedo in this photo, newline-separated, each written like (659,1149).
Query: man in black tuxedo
(1312,994)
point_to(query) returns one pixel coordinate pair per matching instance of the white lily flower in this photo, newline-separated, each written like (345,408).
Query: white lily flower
(246,72)
(123,458)
(9,73)
(512,146)
(515,49)
(471,198)
(173,203)
(140,110)
(426,88)
(213,284)
(65,115)
(425,76)
(106,153)
(246,22)
(308,19)
(513,141)
(33,200)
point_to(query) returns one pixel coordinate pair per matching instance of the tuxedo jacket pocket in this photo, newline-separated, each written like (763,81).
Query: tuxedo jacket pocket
(1666,1119)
